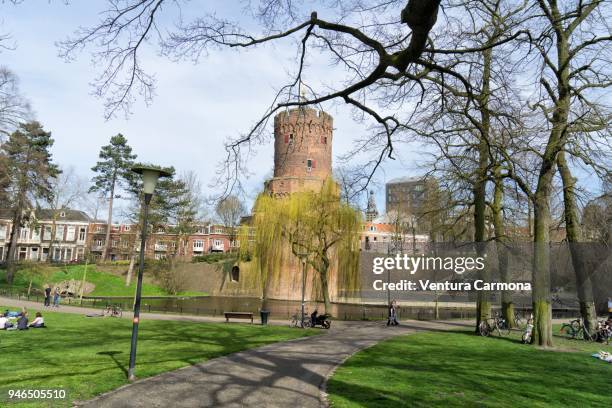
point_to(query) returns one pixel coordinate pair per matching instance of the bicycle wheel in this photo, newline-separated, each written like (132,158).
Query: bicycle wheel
(568,329)
(483,329)
(503,328)
(519,322)
(585,335)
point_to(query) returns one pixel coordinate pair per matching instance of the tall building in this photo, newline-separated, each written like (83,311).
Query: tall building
(405,195)
(302,151)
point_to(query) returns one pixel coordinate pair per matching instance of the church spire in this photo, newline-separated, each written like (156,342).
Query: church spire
(371,211)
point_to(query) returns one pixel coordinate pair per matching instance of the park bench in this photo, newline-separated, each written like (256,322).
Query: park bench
(238,315)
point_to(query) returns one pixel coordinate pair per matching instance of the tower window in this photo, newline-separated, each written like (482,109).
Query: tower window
(323,139)
(289,138)
(310,164)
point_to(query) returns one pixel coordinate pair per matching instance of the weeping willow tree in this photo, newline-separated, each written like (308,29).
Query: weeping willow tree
(314,226)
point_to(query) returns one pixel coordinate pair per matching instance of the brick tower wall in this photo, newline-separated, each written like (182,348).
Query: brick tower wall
(302,136)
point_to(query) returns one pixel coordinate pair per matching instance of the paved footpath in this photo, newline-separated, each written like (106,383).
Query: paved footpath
(287,374)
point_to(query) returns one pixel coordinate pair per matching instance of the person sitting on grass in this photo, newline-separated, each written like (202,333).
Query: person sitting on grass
(4,322)
(38,322)
(22,322)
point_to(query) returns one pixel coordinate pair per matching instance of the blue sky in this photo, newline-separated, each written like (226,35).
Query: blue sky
(195,109)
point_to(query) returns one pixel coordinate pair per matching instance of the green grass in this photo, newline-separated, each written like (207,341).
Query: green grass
(458,369)
(106,284)
(88,356)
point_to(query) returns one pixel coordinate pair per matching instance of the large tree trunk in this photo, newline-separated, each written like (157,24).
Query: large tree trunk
(109,220)
(542,312)
(323,273)
(483,304)
(507,304)
(11,265)
(53,227)
(574,237)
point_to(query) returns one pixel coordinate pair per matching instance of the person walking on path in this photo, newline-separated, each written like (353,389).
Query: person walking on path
(47,295)
(392,318)
(56,298)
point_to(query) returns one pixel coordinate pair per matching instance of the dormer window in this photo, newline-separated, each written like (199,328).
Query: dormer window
(63,214)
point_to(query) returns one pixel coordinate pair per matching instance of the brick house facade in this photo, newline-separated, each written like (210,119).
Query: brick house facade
(60,235)
(161,243)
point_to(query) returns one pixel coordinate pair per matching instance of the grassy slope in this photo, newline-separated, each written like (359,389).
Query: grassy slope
(107,284)
(460,369)
(88,356)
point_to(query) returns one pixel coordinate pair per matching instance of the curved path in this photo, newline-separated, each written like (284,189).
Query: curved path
(287,374)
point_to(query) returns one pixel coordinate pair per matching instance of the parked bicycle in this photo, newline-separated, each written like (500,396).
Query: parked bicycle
(113,311)
(296,320)
(576,329)
(496,323)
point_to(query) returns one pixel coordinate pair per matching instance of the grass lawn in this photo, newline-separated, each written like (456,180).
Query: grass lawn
(106,284)
(459,369)
(88,356)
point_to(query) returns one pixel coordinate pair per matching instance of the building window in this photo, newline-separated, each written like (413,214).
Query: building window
(70,234)
(47,233)
(82,232)
(198,243)
(59,232)
(2,232)
(218,230)
(99,242)
(127,227)
(24,233)
(99,228)
(115,243)
(63,214)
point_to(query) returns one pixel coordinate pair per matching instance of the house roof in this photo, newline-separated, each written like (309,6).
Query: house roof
(46,214)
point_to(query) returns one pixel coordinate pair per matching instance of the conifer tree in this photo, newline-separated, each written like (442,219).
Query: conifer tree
(29,172)
(113,172)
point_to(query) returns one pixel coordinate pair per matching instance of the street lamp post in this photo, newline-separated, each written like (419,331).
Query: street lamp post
(302,257)
(150,175)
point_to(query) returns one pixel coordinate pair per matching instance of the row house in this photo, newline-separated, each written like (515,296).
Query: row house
(60,235)
(381,235)
(161,242)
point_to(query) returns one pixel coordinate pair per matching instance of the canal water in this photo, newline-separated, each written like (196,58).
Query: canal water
(279,309)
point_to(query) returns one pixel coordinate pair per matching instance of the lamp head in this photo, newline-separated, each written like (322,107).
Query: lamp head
(150,175)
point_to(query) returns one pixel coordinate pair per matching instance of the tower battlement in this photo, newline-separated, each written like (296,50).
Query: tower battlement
(302,150)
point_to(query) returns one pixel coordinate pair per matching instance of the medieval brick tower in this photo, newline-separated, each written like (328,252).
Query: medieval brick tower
(302,151)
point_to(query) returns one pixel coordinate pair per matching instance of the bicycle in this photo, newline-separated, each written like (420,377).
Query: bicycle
(497,323)
(520,321)
(576,329)
(296,320)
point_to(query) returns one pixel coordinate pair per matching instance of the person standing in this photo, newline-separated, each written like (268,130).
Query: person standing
(392,317)
(47,295)
(56,297)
